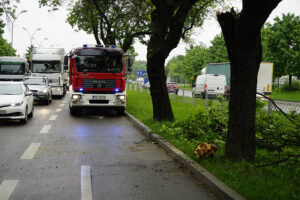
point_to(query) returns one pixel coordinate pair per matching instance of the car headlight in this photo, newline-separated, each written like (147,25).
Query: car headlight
(76,96)
(16,104)
(121,97)
(44,91)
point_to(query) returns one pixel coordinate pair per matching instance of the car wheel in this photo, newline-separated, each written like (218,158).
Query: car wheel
(47,100)
(50,99)
(31,114)
(23,121)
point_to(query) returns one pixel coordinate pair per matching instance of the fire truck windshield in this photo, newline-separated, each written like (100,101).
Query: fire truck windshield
(12,68)
(46,67)
(99,64)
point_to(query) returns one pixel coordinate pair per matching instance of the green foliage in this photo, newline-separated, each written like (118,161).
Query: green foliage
(174,68)
(295,86)
(6,49)
(112,22)
(196,59)
(281,44)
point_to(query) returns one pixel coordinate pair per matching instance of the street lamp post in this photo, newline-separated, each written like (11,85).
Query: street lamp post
(12,18)
(31,36)
(40,44)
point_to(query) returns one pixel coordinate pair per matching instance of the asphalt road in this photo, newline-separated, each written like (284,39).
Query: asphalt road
(56,156)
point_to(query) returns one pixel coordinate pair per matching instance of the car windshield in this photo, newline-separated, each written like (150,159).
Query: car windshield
(12,68)
(100,64)
(35,81)
(46,67)
(11,89)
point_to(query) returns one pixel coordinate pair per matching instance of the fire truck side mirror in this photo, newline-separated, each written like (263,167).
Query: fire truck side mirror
(66,59)
(129,64)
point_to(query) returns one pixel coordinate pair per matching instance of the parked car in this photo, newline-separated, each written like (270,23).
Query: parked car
(260,95)
(172,87)
(40,88)
(210,84)
(16,101)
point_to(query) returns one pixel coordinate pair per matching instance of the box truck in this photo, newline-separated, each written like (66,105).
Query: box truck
(13,68)
(49,62)
(264,77)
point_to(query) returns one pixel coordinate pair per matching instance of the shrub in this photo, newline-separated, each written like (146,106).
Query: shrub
(295,86)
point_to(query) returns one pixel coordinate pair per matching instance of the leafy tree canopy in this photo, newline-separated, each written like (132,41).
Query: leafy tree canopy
(281,44)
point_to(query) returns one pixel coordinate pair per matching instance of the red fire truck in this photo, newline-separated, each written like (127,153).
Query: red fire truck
(97,78)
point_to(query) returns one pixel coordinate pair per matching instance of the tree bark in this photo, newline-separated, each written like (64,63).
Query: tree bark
(242,37)
(167,27)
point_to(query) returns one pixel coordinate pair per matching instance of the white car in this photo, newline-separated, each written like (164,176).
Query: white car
(16,101)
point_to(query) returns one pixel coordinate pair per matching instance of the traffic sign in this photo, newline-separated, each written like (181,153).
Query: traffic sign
(140,73)
(132,75)
(192,78)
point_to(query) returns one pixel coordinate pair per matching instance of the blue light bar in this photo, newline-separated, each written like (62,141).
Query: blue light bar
(85,46)
(116,90)
(113,46)
(80,89)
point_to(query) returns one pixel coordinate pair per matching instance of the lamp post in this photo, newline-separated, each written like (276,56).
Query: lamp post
(40,44)
(12,18)
(31,36)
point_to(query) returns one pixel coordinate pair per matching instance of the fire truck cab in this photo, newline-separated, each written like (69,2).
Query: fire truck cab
(97,78)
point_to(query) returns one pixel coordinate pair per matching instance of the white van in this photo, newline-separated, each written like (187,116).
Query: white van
(212,84)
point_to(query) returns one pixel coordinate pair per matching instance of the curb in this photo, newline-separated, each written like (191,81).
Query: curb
(222,190)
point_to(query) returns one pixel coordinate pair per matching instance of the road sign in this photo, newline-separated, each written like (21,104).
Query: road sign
(192,78)
(132,75)
(140,73)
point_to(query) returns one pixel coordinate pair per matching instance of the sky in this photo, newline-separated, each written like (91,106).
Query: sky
(50,29)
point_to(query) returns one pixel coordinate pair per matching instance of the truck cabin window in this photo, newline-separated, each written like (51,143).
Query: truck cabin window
(100,64)
(12,68)
(46,67)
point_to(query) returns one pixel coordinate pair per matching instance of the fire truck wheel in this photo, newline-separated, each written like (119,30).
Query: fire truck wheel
(74,111)
(121,111)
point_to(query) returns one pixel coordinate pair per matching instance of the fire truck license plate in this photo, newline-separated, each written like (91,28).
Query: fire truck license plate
(99,97)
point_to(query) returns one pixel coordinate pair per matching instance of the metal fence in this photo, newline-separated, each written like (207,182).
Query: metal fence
(185,96)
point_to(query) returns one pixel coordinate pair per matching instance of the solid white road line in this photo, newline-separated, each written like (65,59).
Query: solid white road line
(45,129)
(53,117)
(6,188)
(86,184)
(31,151)
(58,110)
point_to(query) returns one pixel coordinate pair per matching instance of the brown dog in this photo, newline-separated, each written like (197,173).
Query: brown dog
(205,149)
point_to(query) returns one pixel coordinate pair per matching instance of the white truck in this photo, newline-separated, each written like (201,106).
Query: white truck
(13,68)
(50,62)
(264,77)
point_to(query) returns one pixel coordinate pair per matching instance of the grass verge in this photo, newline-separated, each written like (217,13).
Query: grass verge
(272,182)
(292,96)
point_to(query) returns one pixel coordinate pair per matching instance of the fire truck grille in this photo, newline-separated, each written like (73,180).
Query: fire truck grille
(95,83)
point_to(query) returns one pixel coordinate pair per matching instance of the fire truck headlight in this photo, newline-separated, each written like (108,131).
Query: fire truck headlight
(121,97)
(76,96)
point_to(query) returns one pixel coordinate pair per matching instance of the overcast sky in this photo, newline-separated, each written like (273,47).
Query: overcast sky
(56,32)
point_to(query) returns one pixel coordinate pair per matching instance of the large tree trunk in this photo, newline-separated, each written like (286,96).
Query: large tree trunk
(167,27)
(242,37)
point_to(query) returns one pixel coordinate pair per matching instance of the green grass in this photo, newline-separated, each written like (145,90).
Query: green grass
(274,182)
(292,96)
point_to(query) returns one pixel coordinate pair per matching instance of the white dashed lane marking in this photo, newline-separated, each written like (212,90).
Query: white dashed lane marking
(6,188)
(86,184)
(53,117)
(61,105)
(58,110)
(45,129)
(30,151)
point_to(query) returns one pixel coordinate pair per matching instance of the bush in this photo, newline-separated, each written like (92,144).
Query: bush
(295,86)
